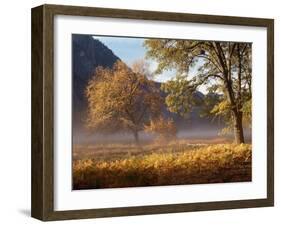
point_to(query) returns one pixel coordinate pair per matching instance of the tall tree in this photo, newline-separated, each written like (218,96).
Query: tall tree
(121,99)
(225,67)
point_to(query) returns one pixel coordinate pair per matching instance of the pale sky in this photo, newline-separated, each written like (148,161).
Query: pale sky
(132,49)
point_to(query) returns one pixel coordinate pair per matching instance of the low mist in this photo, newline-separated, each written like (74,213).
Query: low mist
(84,137)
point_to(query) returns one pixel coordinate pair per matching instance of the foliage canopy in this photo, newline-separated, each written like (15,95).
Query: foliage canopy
(121,99)
(223,67)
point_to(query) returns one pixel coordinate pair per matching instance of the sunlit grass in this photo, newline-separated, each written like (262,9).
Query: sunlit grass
(173,164)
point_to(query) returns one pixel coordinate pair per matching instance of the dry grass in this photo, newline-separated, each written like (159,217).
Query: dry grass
(107,152)
(172,164)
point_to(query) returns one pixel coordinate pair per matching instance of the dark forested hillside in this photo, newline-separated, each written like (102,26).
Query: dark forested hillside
(87,54)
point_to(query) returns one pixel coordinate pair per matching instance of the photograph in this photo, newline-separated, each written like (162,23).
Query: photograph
(152,111)
(138,112)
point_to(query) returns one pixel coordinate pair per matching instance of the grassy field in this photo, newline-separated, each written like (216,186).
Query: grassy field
(175,163)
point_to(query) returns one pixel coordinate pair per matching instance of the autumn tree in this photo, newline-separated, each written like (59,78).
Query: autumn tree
(164,129)
(120,99)
(180,95)
(223,67)
(141,66)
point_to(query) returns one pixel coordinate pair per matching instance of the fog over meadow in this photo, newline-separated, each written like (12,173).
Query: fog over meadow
(90,52)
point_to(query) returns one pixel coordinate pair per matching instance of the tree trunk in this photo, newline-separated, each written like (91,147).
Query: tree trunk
(237,115)
(136,136)
(238,127)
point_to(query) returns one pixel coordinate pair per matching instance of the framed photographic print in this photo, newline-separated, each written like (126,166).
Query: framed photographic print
(141,112)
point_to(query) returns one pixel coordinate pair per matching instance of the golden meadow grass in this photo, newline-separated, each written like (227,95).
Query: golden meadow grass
(174,164)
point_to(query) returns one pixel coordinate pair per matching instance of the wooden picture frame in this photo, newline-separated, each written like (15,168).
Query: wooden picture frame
(42,205)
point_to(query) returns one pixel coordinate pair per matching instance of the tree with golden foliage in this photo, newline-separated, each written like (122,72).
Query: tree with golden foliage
(225,67)
(120,99)
(164,128)
(141,66)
